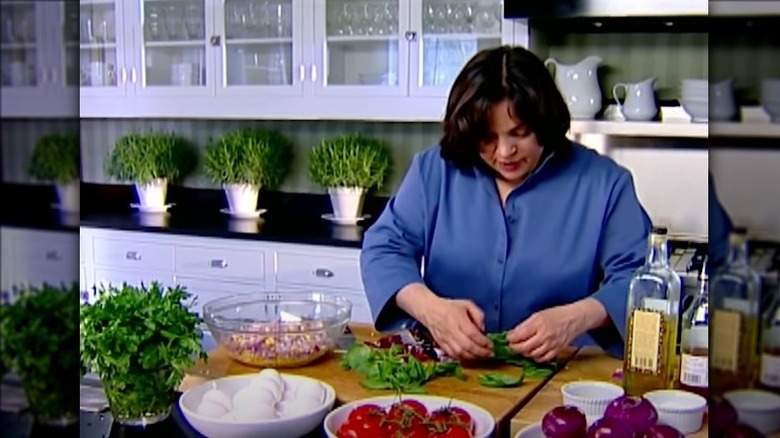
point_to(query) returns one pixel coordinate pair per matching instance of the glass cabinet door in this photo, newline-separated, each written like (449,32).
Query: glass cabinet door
(360,45)
(101,67)
(68,71)
(173,48)
(452,32)
(262,47)
(21,42)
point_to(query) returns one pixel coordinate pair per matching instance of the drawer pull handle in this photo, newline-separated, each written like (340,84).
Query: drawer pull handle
(323,273)
(133,255)
(219,264)
(53,255)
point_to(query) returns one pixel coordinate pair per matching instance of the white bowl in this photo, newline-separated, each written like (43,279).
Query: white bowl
(531,431)
(773,109)
(288,427)
(484,422)
(699,111)
(682,410)
(760,409)
(591,396)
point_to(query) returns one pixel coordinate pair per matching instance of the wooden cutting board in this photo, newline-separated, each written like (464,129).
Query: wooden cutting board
(588,364)
(502,403)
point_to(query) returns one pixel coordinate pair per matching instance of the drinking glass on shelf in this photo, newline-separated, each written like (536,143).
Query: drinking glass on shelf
(154,28)
(174,22)
(193,19)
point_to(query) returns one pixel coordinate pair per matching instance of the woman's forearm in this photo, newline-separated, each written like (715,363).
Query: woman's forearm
(414,298)
(593,314)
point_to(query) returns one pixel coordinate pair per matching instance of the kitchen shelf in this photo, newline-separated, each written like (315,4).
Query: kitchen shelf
(745,130)
(640,129)
(743,8)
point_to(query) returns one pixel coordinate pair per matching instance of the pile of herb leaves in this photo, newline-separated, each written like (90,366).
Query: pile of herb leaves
(40,327)
(395,369)
(531,368)
(140,341)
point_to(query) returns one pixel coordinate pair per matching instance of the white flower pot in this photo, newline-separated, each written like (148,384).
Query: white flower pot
(241,198)
(153,194)
(68,196)
(347,202)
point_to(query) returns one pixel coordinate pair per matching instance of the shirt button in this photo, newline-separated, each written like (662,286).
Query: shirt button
(501,260)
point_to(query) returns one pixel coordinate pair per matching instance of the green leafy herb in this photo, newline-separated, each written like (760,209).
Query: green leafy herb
(140,341)
(395,369)
(40,328)
(350,160)
(141,158)
(531,368)
(500,380)
(249,156)
(56,158)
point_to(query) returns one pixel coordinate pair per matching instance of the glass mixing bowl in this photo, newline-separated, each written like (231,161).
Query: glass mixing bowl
(277,330)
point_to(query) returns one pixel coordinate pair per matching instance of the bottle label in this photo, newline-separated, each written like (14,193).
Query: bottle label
(645,341)
(693,370)
(726,329)
(770,370)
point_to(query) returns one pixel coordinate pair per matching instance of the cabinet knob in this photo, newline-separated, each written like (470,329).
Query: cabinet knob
(410,35)
(219,264)
(323,273)
(133,255)
(215,40)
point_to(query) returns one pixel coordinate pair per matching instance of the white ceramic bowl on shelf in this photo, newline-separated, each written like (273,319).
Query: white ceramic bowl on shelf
(760,409)
(294,425)
(682,410)
(484,422)
(591,396)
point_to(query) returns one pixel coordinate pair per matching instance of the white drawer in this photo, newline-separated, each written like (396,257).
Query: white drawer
(318,270)
(133,255)
(45,258)
(220,262)
(115,277)
(361,312)
(207,290)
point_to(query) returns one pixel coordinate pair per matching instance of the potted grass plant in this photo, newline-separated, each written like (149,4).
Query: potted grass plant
(244,161)
(151,161)
(40,327)
(55,158)
(140,341)
(349,166)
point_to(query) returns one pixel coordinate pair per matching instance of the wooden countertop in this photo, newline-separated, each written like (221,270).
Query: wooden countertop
(503,403)
(588,364)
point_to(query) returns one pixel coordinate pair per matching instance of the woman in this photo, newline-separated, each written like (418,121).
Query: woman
(519,229)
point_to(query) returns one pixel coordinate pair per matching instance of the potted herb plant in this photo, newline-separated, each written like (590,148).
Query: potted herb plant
(55,158)
(348,166)
(40,341)
(151,161)
(244,161)
(140,341)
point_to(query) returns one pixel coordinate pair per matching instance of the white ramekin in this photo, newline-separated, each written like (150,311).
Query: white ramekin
(591,396)
(757,408)
(682,410)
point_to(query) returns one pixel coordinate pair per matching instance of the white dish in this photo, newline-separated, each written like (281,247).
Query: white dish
(484,422)
(760,409)
(344,220)
(243,215)
(531,431)
(682,410)
(148,209)
(591,396)
(286,427)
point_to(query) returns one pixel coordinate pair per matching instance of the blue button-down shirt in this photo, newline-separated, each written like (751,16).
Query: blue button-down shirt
(573,229)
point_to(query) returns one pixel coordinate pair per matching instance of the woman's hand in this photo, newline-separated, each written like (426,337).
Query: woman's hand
(456,325)
(546,333)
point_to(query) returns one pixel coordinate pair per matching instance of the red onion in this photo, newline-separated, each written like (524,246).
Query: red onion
(564,422)
(661,431)
(610,428)
(637,412)
(722,414)
(742,431)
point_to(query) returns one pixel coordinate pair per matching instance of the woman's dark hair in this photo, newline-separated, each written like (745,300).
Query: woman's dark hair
(491,76)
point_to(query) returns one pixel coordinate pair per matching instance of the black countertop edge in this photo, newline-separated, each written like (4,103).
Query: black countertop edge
(290,217)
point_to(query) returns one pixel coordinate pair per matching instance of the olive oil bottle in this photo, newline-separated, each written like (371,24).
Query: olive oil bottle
(735,292)
(650,361)
(694,359)
(769,365)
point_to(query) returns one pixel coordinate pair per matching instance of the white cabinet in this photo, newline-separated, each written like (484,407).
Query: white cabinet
(40,72)
(281,59)
(33,257)
(211,268)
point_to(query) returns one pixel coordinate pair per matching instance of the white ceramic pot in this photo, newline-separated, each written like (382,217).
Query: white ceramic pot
(241,198)
(347,202)
(153,194)
(68,196)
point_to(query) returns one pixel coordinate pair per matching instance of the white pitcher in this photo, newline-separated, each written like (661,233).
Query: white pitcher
(579,85)
(722,104)
(639,103)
